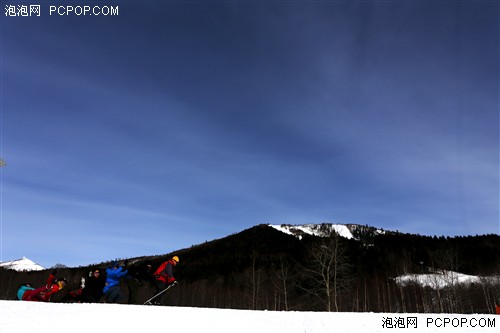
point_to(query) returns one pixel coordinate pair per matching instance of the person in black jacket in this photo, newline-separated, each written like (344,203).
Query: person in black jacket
(94,285)
(140,275)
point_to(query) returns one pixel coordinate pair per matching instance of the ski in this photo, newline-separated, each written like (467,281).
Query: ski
(148,302)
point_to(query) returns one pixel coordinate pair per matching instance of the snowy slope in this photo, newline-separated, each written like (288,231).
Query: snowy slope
(320,230)
(21,317)
(325,229)
(442,279)
(23,264)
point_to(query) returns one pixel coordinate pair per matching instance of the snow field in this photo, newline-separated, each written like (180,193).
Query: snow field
(24,317)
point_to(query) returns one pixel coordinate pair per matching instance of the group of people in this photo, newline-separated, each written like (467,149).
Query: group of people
(106,288)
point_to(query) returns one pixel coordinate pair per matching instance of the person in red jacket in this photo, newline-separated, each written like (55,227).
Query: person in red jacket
(164,275)
(44,293)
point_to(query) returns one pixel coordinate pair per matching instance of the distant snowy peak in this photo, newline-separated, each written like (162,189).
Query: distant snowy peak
(23,264)
(350,231)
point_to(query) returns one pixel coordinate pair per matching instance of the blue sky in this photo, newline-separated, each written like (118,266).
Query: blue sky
(176,123)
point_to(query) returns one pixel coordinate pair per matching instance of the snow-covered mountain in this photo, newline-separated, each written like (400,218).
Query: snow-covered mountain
(350,231)
(23,264)
(435,280)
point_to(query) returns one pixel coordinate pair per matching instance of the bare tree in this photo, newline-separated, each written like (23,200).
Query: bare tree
(448,262)
(282,280)
(329,270)
(253,280)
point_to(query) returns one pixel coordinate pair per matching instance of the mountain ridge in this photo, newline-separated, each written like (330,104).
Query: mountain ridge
(358,232)
(270,267)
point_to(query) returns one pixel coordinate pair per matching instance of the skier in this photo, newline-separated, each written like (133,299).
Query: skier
(164,275)
(139,275)
(112,291)
(45,293)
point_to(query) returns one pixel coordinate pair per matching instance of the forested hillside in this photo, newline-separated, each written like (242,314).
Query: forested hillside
(263,268)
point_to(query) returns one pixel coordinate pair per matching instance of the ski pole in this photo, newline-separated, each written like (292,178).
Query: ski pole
(161,292)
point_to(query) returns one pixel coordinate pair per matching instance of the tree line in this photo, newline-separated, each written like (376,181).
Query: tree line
(262,268)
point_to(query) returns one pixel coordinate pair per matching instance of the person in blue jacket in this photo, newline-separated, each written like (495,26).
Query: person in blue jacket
(112,291)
